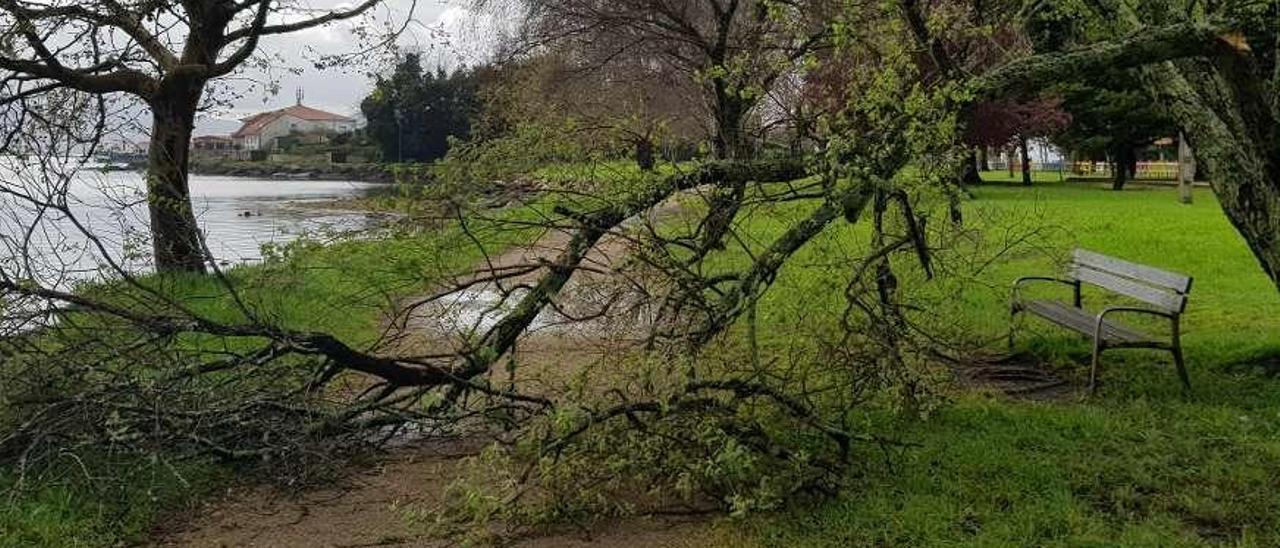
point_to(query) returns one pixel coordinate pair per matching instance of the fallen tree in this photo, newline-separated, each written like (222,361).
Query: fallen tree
(131,365)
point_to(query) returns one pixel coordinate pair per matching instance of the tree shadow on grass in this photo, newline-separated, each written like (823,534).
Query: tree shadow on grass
(1265,363)
(1021,375)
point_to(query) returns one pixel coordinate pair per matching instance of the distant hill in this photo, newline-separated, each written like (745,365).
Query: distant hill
(215,126)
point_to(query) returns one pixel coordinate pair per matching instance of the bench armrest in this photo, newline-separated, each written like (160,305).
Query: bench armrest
(1075,284)
(1175,322)
(1135,310)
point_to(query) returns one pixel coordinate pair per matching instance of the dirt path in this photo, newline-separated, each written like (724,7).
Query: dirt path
(385,505)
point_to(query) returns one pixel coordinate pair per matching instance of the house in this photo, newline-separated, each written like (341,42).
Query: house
(213,145)
(263,131)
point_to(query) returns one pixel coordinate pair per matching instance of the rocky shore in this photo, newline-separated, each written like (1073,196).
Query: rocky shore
(367,172)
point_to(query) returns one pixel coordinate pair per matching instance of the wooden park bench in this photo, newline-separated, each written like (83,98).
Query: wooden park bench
(1164,292)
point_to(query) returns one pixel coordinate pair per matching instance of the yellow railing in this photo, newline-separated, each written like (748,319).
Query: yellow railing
(1160,171)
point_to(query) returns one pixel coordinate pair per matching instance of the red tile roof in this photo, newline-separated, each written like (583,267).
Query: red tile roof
(314,115)
(254,125)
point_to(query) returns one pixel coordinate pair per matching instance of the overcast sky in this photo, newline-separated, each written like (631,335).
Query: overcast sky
(444,31)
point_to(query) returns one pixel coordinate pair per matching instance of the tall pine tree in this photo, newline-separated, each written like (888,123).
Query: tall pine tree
(412,114)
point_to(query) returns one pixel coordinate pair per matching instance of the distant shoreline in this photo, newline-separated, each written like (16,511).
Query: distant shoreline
(370,173)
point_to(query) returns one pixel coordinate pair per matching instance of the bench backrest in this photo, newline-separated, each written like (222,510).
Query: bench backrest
(1165,290)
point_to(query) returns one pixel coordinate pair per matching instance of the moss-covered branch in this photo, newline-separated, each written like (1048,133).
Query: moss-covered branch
(1143,47)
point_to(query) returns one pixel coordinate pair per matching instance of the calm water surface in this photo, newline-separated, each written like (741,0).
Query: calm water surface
(278,211)
(112,206)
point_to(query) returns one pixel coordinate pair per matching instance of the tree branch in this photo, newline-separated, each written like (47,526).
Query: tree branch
(253,30)
(1141,48)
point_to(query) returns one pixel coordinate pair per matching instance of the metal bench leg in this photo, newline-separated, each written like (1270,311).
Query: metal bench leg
(1013,326)
(1182,368)
(1093,368)
(1178,360)
(1098,346)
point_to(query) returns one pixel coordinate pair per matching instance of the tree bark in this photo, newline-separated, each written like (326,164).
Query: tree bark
(1118,173)
(730,141)
(1124,167)
(798,135)
(730,113)
(984,163)
(1186,170)
(644,154)
(175,235)
(1142,47)
(1227,117)
(971,176)
(1026,160)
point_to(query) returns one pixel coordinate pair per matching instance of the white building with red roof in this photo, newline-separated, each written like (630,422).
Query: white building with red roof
(261,131)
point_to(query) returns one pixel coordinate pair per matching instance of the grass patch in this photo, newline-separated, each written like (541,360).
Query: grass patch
(69,509)
(1141,465)
(992,473)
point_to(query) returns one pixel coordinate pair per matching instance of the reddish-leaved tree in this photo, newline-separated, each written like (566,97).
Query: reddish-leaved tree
(1002,123)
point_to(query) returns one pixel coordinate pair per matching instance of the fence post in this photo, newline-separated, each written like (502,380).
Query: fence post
(1186,169)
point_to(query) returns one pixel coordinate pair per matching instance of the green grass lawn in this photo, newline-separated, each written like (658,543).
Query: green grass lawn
(1139,465)
(1002,176)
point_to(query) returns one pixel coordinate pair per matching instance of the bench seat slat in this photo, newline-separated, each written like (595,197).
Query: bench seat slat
(1084,322)
(1140,272)
(1166,301)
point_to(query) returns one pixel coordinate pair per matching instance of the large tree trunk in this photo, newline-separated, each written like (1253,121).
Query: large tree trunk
(730,115)
(1225,112)
(1186,170)
(971,176)
(1026,160)
(799,133)
(731,142)
(644,154)
(1125,166)
(984,163)
(1118,175)
(174,232)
